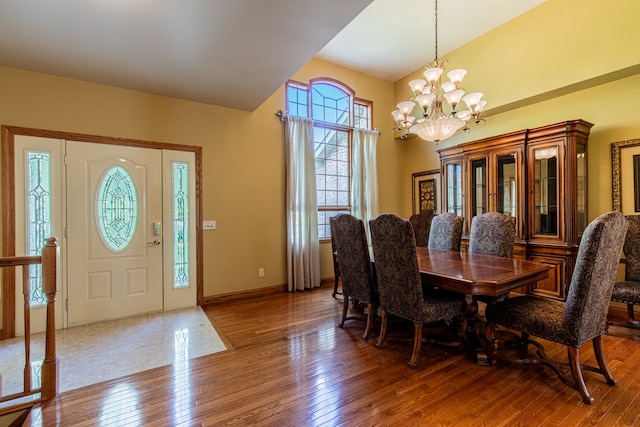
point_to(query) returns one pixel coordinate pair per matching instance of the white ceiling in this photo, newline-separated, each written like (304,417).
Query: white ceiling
(234,53)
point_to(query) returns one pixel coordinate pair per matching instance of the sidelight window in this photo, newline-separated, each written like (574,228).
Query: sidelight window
(38,216)
(181,225)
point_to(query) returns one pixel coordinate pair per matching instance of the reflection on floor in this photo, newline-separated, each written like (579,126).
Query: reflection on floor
(102,351)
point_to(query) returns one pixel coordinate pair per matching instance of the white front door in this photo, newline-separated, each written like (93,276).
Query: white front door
(114,231)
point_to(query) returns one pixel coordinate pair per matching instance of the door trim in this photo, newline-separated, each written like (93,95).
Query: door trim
(8,205)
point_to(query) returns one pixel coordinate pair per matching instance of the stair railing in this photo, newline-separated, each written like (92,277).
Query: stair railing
(49,380)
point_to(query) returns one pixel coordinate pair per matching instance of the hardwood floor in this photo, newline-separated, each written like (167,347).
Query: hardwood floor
(289,365)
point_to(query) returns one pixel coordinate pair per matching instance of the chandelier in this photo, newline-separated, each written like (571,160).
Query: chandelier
(430,94)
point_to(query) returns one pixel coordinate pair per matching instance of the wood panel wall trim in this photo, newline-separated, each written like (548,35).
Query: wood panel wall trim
(244,295)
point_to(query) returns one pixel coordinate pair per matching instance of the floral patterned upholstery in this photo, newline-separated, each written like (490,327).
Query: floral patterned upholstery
(352,256)
(446,232)
(399,284)
(421,224)
(492,233)
(584,315)
(628,291)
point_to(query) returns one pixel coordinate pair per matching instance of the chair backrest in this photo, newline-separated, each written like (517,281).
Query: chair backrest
(593,277)
(446,232)
(632,249)
(492,233)
(352,254)
(397,272)
(421,224)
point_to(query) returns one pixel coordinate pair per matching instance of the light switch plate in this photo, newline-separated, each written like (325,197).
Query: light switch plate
(209,225)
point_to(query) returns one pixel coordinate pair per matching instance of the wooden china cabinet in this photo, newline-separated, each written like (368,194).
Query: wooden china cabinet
(538,176)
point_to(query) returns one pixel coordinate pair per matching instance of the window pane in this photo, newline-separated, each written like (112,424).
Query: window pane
(330,104)
(180,225)
(38,217)
(322,199)
(343,185)
(297,101)
(324,230)
(332,167)
(361,116)
(117,208)
(343,198)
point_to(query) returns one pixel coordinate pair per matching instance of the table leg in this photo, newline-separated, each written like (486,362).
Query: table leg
(475,333)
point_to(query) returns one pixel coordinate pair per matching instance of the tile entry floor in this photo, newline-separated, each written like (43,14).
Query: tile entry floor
(102,351)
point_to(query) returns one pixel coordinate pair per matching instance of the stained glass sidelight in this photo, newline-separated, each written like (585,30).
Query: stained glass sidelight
(180,225)
(38,216)
(117,208)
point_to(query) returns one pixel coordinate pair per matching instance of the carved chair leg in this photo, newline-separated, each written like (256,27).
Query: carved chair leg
(345,307)
(417,345)
(383,329)
(335,285)
(576,373)
(367,330)
(602,363)
(631,316)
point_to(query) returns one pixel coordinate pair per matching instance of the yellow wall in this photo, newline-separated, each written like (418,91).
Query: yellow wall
(243,157)
(541,68)
(565,59)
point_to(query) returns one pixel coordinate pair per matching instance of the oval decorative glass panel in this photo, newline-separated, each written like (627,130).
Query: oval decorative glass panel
(117,208)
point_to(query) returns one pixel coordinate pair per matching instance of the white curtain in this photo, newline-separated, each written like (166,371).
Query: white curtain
(303,247)
(364,172)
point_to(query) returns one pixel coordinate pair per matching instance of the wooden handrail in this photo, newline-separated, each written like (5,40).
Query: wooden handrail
(16,261)
(49,372)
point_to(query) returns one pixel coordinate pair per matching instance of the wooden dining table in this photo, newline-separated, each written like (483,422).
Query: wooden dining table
(477,275)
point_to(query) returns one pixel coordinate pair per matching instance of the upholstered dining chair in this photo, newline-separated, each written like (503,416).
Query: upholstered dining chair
(399,285)
(582,318)
(446,232)
(492,233)
(356,270)
(421,223)
(628,291)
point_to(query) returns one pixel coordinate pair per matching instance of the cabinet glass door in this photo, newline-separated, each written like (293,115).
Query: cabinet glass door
(507,188)
(453,183)
(581,182)
(545,190)
(478,186)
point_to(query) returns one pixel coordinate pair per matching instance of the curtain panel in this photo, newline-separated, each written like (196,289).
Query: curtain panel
(364,176)
(303,247)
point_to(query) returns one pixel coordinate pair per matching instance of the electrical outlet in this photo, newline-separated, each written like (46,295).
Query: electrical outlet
(209,225)
(261,272)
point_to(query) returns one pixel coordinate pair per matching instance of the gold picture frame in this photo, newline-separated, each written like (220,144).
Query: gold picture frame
(426,193)
(625,156)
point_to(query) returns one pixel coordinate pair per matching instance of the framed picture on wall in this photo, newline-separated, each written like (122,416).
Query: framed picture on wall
(425,188)
(626,176)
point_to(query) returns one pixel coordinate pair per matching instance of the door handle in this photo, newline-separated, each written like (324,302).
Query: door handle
(154,243)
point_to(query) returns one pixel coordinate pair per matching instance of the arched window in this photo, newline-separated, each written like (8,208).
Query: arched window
(336,112)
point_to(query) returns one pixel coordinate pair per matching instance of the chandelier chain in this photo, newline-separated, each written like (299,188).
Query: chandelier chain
(436,30)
